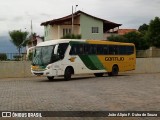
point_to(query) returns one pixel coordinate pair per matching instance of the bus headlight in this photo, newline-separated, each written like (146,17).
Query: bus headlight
(49,66)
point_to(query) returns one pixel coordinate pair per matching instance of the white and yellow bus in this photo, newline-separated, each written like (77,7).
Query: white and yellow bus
(66,57)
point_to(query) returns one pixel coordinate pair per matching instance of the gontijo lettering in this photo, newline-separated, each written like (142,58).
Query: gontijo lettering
(114,58)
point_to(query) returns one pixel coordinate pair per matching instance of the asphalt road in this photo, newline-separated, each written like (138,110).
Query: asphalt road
(126,92)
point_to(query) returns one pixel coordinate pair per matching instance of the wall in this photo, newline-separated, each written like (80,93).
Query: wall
(86,24)
(22,68)
(151,52)
(15,69)
(147,65)
(50,32)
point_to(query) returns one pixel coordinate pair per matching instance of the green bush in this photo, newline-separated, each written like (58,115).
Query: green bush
(71,36)
(3,57)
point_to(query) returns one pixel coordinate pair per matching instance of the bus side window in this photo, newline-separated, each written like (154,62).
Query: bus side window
(86,49)
(62,49)
(77,49)
(111,50)
(99,49)
(93,49)
(80,50)
(130,50)
(105,50)
(73,50)
(116,49)
(122,50)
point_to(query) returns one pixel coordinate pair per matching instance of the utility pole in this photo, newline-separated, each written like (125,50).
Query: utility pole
(73,18)
(31,28)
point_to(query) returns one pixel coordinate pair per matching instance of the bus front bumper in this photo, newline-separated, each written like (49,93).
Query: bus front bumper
(43,73)
(47,72)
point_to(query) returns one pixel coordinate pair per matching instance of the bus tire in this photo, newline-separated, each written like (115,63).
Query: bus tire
(114,71)
(68,74)
(50,78)
(98,74)
(109,73)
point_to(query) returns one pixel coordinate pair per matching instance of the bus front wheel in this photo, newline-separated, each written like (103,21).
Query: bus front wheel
(67,74)
(114,71)
(50,77)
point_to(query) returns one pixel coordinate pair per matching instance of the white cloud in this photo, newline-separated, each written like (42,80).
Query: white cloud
(17,14)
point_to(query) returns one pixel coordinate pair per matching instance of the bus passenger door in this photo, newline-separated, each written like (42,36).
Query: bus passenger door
(62,47)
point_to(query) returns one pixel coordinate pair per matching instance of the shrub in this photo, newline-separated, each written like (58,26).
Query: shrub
(3,57)
(71,36)
(30,56)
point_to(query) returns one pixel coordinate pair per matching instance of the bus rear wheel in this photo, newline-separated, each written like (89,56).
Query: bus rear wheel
(68,74)
(98,74)
(50,78)
(114,71)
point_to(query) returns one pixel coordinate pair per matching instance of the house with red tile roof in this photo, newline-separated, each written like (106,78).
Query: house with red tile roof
(125,31)
(88,26)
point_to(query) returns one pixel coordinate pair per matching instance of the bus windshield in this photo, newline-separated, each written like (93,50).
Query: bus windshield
(43,55)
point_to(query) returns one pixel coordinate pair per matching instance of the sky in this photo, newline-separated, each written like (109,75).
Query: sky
(17,14)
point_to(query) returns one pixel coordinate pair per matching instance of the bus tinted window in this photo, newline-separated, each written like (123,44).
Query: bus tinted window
(99,49)
(89,49)
(126,50)
(122,50)
(130,50)
(77,49)
(86,49)
(113,50)
(93,49)
(105,49)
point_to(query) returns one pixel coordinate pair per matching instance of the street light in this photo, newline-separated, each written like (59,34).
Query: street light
(75,8)
(73,18)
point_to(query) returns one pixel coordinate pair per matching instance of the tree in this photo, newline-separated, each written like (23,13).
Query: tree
(138,39)
(132,37)
(143,28)
(18,38)
(154,32)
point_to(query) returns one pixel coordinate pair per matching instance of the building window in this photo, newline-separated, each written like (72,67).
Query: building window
(95,30)
(66,31)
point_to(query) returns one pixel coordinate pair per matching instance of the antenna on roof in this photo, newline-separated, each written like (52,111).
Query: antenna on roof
(31,28)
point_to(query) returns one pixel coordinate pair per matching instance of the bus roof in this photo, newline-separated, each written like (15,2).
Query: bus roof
(107,42)
(53,42)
